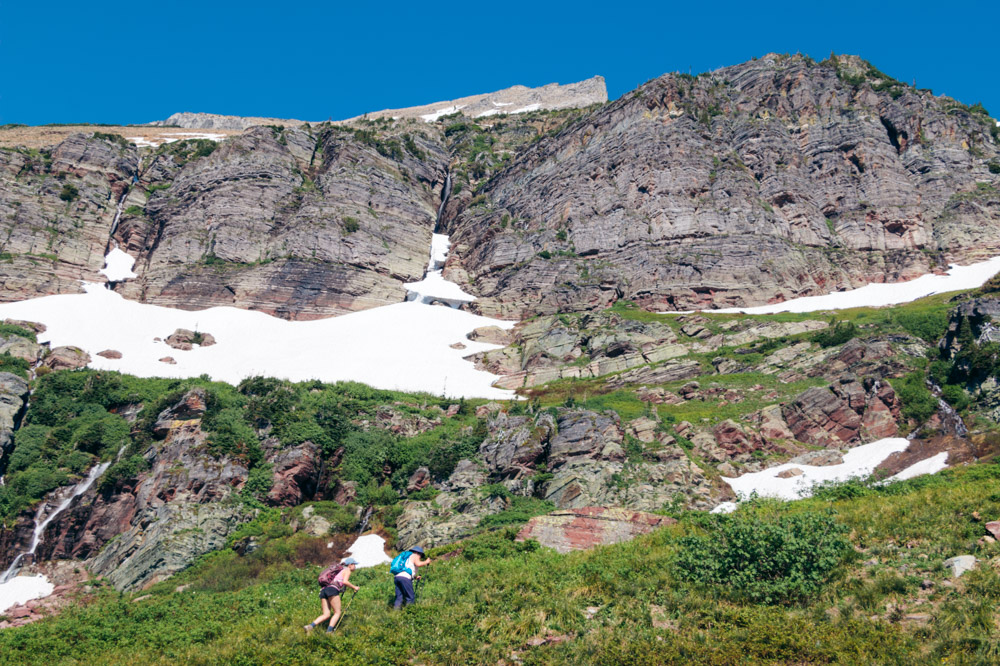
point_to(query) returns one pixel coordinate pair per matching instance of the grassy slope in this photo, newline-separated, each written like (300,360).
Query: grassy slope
(484,609)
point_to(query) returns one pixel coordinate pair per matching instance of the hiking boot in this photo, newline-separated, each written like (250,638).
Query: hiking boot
(308,628)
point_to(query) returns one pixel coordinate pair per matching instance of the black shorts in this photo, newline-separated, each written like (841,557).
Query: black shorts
(329,592)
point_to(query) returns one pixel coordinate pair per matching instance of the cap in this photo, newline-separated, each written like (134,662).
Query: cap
(417,549)
(349,561)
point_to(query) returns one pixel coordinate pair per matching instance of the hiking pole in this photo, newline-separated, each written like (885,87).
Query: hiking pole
(416,588)
(340,621)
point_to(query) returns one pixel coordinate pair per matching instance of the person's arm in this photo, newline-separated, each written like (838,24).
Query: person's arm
(420,562)
(347,583)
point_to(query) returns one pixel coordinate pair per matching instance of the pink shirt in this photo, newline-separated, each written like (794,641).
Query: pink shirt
(338,580)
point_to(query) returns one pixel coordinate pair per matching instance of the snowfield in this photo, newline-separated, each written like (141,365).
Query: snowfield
(404,346)
(879,294)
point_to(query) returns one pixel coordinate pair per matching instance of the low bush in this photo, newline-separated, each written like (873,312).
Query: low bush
(782,558)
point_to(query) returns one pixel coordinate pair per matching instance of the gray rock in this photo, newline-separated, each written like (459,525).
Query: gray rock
(960,564)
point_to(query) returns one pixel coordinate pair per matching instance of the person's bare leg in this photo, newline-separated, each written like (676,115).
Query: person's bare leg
(336,613)
(321,618)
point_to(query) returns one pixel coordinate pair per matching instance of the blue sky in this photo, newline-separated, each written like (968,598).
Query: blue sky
(132,62)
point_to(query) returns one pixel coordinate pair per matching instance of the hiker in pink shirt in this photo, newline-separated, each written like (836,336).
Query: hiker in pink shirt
(330,594)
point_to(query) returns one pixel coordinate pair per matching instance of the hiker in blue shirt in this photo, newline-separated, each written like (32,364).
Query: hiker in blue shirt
(404,567)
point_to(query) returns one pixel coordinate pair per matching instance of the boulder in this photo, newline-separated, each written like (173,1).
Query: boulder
(185,340)
(493,335)
(819,458)
(466,475)
(993,527)
(789,473)
(960,564)
(583,433)
(110,353)
(586,527)
(67,358)
(419,480)
(345,492)
(169,360)
(515,443)
(191,406)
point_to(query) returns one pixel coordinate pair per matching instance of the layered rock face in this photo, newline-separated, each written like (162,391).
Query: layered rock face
(294,223)
(582,529)
(760,182)
(56,211)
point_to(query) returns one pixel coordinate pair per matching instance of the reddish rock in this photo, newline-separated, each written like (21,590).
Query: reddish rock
(843,414)
(581,529)
(28,325)
(789,473)
(732,439)
(169,360)
(17,612)
(67,358)
(419,480)
(185,340)
(457,345)
(773,426)
(345,493)
(993,527)
(296,474)
(482,411)
(191,406)
(452,410)
(110,353)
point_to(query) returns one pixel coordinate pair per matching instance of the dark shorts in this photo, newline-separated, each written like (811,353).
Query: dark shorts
(329,592)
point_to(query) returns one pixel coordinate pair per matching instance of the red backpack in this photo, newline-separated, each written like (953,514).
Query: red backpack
(326,578)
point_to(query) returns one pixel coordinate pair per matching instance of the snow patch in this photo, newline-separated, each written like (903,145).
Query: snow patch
(931,465)
(21,589)
(446,111)
(369,551)
(118,266)
(526,109)
(860,461)
(156,141)
(886,293)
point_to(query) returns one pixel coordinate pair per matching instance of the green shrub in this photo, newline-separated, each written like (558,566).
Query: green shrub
(7,330)
(778,558)
(69,192)
(929,325)
(837,333)
(918,402)
(351,224)
(135,211)
(520,511)
(994,166)
(496,545)
(14,365)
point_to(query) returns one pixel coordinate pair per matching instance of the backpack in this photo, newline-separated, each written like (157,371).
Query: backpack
(398,565)
(326,578)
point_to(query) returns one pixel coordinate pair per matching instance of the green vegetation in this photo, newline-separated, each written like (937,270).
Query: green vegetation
(69,192)
(113,138)
(837,333)
(7,330)
(351,224)
(187,150)
(135,211)
(918,402)
(490,595)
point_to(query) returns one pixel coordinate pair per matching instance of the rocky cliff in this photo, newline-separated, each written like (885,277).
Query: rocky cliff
(777,178)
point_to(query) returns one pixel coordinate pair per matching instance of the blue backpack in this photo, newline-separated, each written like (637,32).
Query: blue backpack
(398,565)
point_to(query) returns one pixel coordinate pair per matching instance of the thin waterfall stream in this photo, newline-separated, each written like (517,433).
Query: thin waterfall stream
(40,524)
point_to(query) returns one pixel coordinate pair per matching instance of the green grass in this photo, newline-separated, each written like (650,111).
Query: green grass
(493,595)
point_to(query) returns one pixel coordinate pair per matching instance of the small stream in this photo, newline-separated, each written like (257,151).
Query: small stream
(40,524)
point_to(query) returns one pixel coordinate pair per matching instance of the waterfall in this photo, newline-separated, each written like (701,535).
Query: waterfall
(36,537)
(434,288)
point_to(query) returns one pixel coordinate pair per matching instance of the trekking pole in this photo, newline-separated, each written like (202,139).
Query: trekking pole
(416,588)
(340,621)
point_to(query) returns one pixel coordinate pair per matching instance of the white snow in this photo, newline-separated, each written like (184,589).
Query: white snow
(434,287)
(488,112)
(931,465)
(369,551)
(21,589)
(891,293)
(526,109)
(446,111)
(725,507)
(860,461)
(404,346)
(155,141)
(118,266)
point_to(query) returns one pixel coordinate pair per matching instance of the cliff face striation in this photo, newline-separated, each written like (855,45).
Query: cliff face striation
(760,182)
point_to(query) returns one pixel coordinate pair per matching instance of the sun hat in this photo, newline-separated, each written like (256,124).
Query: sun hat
(349,561)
